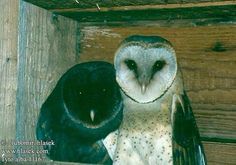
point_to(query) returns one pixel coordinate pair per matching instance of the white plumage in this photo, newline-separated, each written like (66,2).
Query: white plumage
(148,74)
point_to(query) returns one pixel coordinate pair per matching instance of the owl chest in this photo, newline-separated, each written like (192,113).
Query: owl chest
(145,138)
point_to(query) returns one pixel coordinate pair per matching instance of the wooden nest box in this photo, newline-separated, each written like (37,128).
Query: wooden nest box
(45,43)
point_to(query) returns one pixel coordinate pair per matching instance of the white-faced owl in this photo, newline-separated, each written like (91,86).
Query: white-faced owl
(158,126)
(81,111)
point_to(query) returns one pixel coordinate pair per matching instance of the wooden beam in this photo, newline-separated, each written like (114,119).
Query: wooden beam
(47,49)
(122,5)
(226,13)
(8,72)
(146,7)
(109,11)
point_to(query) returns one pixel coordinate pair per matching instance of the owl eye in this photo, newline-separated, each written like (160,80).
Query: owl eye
(131,64)
(158,65)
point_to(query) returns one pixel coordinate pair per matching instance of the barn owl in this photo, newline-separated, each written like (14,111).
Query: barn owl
(83,109)
(158,126)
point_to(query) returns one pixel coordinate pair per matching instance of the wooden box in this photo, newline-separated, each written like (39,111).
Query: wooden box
(38,45)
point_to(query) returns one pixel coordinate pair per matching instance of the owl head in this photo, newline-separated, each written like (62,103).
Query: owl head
(91,95)
(146,67)
(85,104)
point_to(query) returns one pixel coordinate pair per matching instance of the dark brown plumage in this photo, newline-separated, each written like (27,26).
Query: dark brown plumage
(84,108)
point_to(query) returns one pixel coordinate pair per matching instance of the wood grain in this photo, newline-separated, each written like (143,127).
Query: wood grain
(216,122)
(206,55)
(110,11)
(225,13)
(47,49)
(8,70)
(220,153)
(85,4)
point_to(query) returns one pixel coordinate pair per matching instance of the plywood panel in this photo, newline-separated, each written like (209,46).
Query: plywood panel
(206,55)
(47,49)
(8,70)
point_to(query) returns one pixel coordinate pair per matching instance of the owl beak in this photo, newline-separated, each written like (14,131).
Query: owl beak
(144,80)
(92,115)
(143,88)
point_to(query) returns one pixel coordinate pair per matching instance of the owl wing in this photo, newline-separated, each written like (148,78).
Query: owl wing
(187,146)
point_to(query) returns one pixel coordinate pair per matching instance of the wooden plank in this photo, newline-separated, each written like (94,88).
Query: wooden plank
(148,6)
(216,122)
(220,153)
(110,11)
(47,49)
(107,16)
(200,42)
(8,70)
(206,55)
(82,4)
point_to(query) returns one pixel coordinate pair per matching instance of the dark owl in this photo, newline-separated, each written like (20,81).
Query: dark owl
(83,109)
